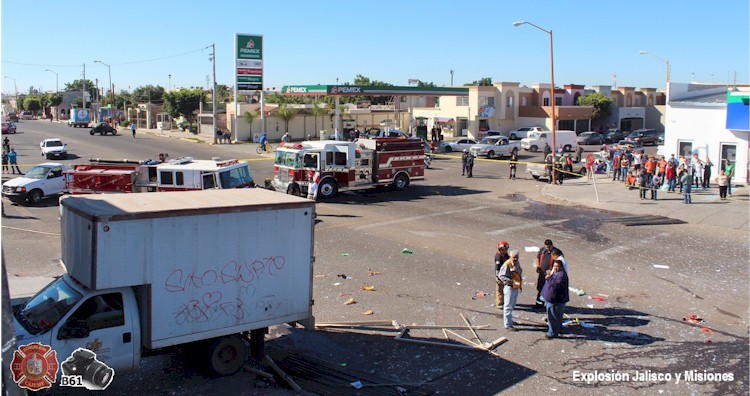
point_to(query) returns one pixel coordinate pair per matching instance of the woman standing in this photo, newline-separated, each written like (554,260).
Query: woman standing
(723,181)
(555,293)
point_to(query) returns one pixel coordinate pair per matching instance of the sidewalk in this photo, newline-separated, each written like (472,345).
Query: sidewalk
(706,209)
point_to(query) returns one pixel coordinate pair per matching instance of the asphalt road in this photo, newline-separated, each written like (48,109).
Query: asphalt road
(451,226)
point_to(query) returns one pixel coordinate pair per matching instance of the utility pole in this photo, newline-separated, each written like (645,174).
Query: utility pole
(83,88)
(451,77)
(57,94)
(215,112)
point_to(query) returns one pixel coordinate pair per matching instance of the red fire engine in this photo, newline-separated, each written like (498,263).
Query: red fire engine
(179,174)
(344,166)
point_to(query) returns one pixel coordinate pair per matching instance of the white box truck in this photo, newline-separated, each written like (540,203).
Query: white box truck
(200,269)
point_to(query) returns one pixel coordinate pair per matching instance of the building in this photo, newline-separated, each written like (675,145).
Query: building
(712,121)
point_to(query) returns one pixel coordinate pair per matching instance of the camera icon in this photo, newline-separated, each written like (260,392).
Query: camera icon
(95,374)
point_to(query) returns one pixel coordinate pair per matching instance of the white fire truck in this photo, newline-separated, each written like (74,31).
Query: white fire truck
(344,166)
(178,174)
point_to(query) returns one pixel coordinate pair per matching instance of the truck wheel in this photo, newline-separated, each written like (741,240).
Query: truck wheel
(400,182)
(533,149)
(35,196)
(328,189)
(226,355)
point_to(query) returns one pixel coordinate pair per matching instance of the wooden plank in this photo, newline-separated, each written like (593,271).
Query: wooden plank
(480,327)
(424,342)
(283,375)
(355,323)
(497,342)
(472,330)
(466,339)
(255,371)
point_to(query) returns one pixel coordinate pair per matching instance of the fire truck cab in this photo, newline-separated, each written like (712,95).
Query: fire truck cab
(179,174)
(344,166)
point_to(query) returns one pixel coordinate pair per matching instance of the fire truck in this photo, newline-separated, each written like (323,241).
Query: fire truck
(346,166)
(178,174)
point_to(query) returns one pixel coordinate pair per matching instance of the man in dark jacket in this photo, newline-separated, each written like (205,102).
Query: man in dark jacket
(555,293)
(543,264)
(464,162)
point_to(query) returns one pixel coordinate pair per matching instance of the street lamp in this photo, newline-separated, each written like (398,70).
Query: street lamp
(57,92)
(666,62)
(16,87)
(111,88)
(552,78)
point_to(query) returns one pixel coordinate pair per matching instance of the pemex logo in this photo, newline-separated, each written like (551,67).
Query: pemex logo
(250,44)
(34,366)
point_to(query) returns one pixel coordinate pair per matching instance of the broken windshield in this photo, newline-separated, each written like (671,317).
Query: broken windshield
(45,309)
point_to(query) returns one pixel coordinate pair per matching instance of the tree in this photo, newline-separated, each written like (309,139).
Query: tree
(286,114)
(149,93)
(32,103)
(77,85)
(182,102)
(602,104)
(484,82)
(249,117)
(316,111)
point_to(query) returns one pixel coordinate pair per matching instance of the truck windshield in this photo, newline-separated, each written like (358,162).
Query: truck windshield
(488,140)
(287,158)
(237,177)
(45,309)
(534,135)
(38,172)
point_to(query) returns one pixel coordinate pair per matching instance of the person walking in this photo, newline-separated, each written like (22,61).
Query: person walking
(132,128)
(513,164)
(511,275)
(555,293)
(616,166)
(470,165)
(579,152)
(547,150)
(500,258)
(6,145)
(687,185)
(13,159)
(655,184)
(464,162)
(723,181)
(729,172)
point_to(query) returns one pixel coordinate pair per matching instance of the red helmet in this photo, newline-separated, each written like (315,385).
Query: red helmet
(502,244)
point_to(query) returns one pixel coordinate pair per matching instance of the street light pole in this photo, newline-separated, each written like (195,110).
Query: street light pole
(552,81)
(215,112)
(665,61)
(57,92)
(451,77)
(111,93)
(16,87)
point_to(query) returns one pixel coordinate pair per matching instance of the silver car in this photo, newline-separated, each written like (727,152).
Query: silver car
(458,145)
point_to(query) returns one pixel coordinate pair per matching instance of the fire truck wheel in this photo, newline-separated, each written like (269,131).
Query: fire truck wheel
(401,182)
(293,189)
(328,189)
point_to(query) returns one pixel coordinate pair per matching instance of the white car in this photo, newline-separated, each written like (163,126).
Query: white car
(521,133)
(493,146)
(458,145)
(54,148)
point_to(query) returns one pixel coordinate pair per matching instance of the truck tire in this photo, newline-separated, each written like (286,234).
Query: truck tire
(400,182)
(533,148)
(226,355)
(328,189)
(35,196)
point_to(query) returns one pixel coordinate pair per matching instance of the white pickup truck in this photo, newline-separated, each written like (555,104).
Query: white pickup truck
(41,181)
(495,146)
(522,133)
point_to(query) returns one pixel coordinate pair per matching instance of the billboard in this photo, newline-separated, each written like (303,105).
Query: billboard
(248,70)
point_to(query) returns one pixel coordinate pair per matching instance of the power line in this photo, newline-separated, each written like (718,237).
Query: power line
(113,64)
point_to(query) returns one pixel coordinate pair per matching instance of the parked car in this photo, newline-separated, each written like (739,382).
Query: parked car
(630,145)
(494,132)
(493,146)
(54,148)
(458,145)
(522,133)
(590,138)
(40,181)
(614,135)
(103,128)
(11,117)
(9,127)
(646,136)
(26,115)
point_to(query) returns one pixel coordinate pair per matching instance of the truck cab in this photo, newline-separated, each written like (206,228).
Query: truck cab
(66,316)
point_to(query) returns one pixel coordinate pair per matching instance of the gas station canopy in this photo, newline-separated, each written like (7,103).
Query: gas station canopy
(369,90)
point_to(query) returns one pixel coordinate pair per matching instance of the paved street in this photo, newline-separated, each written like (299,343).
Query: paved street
(640,281)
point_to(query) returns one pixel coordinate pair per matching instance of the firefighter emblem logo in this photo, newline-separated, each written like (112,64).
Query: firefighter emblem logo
(34,366)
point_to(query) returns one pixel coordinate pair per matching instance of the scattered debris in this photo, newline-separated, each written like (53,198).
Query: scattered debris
(344,254)
(283,375)
(337,284)
(695,319)
(321,276)
(661,266)
(372,273)
(368,288)
(531,249)
(479,294)
(406,251)
(357,384)
(707,330)
(597,298)
(587,325)
(344,294)
(343,276)
(350,301)
(368,312)
(579,292)
(590,306)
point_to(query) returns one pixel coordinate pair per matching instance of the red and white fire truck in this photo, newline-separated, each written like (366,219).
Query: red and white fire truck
(178,174)
(344,166)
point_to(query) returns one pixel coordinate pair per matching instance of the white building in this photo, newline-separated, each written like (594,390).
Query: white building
(699,121)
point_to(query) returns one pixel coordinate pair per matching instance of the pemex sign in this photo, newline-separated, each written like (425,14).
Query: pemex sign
(249,62)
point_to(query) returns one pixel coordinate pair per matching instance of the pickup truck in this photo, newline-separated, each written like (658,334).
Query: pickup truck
(495,146)
(41,181)
(521,133)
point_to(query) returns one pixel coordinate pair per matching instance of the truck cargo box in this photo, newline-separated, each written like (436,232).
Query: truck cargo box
(202,262)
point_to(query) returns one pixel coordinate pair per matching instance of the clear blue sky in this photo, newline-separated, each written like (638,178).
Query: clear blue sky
(392,41)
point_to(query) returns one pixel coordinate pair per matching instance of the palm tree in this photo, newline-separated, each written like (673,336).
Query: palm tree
(317,111)
(249,117)
(286,114)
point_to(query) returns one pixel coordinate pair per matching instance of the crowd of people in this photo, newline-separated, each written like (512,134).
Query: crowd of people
(551,285)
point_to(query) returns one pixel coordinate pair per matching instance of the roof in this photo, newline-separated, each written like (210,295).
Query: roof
(711,98)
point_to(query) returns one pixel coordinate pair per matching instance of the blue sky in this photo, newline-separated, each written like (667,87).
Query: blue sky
(317,42)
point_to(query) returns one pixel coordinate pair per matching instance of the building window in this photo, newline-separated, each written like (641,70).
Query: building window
(728,152)
(545,101)
(462,100)
(509,99)
(487,101)
(524,101)
(558,101)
